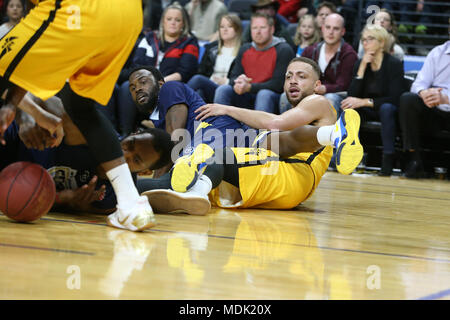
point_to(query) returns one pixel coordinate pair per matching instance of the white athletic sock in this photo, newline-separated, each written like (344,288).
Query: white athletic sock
(327,134)
(124,188)
(202,187)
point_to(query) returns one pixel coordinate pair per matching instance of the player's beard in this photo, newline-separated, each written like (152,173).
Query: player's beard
(150,105)
(296,101)
(305,92)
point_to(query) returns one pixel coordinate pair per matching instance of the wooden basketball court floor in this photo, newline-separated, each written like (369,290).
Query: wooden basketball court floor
(357,237)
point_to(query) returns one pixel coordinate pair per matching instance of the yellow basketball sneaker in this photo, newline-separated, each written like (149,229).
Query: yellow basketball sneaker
(187,169)
(349,150)
(137,218)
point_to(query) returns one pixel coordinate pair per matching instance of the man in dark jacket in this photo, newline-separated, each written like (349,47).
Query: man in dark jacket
(336,59)
(257,75)
(269,8)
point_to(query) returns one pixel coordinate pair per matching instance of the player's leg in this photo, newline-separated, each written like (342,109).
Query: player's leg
(343,135)
(195,201)
(187,169)
(95,79)
(289,143)
(92,68)
(134,212)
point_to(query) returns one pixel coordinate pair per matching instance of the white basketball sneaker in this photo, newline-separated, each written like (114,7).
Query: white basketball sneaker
(169,201)
(195,201)
(137,218)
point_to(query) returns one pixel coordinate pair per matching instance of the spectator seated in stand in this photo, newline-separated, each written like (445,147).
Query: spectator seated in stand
(173,50)
(289,9)
(81,184)
(205,17)
(307,33)
(269,8)
(426,109)
(378,82)
(257,75)
(15,10)
(217,59)
(386,19)
(154,10)
(335,58)
(324,9)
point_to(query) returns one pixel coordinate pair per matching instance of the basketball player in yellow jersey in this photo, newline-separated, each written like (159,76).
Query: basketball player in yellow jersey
(288,170)
(79,46)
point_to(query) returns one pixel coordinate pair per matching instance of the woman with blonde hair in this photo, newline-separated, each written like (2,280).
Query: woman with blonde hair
(386,19)
(218,57)
(307,33)
(377,84)
(173,50)
(176,49)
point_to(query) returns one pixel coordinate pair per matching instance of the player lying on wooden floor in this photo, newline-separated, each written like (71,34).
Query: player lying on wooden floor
(281,175)
(81,184)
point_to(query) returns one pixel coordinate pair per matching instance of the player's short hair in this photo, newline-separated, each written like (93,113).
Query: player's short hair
(162,143)
(311,62)
(157,75)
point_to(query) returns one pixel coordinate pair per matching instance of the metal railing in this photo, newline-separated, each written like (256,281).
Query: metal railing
(437,28)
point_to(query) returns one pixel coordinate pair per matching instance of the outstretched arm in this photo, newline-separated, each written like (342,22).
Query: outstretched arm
(311,109)
(81,199)
(44,119)
(7,114)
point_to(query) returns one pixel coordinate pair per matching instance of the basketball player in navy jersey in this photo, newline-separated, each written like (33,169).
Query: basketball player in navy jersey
(81,183)
(80,45)
(172,105)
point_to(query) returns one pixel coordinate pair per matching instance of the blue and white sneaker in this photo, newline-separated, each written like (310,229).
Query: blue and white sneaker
(349,151)
(187,169)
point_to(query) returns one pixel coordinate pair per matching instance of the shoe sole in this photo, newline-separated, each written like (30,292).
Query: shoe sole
(350,151)
(145,227)
(167,201)
(185,171)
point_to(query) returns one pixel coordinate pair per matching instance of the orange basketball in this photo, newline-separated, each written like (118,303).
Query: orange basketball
(27,191)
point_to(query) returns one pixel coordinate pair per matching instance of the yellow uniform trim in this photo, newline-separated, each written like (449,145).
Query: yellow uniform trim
(85,42)
(266,181)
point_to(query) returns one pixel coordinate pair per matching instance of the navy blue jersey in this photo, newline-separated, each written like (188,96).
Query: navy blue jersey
(70,166)
(217,131)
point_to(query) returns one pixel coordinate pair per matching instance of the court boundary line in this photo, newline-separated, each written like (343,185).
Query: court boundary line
(436,295)
(383,193)
(393,186)
(403,256)
(10,245)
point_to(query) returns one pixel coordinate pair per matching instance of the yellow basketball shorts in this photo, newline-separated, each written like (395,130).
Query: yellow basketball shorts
(269,182)
(85,42)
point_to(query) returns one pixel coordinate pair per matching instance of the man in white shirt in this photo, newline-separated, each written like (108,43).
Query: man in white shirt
(426,108)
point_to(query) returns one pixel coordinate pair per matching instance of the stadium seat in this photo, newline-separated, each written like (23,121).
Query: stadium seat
(245,23)
(241,7)
(201,52)
(291,29)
